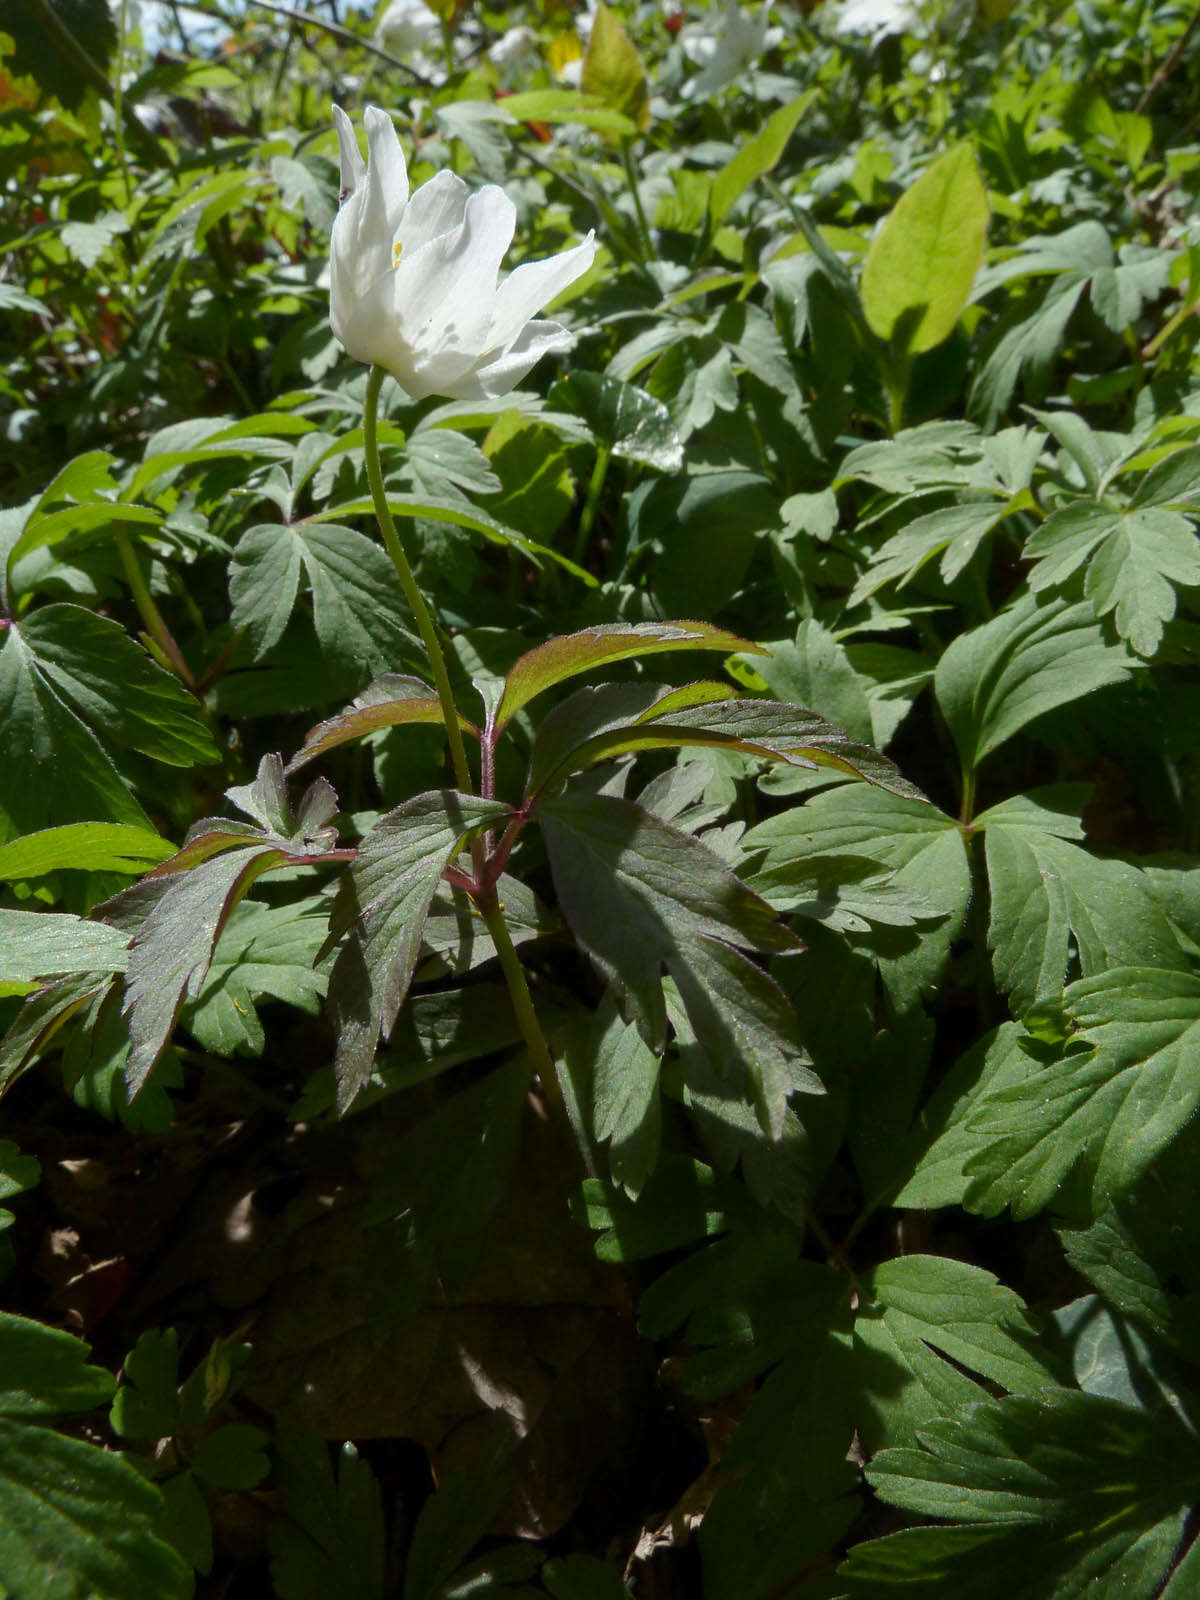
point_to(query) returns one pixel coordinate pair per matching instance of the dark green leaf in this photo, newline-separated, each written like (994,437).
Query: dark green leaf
(639,896)
(93,663)
(333,1539)
(1107,1110)
(994,680)
(357,610)
(74,1519)
(1065,1493)
(623,419)
(146,1406)
(914,1311)
(1046,892)
(384,900)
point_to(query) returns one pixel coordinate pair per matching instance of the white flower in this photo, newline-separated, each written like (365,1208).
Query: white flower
(876,17)
(408,26)
(727,55)
(514,47)
(413,283)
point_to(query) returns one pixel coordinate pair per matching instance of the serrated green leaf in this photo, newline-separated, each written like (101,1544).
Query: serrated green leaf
(210,439)
(923,846)
(570,654)
(625,1104)
(943,1139)
(683,1201)
(93,663)
(74,1519)
(1143,1253)
(17,1173)
(264,953)
(1064,1492)
(914,1311)
(641,896)
(1047,892)
(1134,558)
(384,899)
(814,670)
(766,729)
(333,1540)
(996,679)
(922,263)
(1107,1110)
(171,951)
(67,776)
(357,611)
(955,532)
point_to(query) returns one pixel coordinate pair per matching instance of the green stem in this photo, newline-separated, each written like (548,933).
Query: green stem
(588,515)
(522,1003)
(150,614)
(631,176)
(416,601)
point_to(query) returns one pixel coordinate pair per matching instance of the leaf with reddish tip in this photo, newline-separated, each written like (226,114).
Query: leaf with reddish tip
(572,653)
(386,703)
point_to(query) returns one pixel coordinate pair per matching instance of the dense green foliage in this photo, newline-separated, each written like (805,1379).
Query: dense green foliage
(834,1230)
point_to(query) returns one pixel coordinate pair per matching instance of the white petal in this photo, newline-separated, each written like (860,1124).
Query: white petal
(498,377)
(437,207)
(353,165)
(387,176)
(445,290)
(533,285)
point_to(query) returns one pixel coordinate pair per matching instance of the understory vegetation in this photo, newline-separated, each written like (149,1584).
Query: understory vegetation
(600,980)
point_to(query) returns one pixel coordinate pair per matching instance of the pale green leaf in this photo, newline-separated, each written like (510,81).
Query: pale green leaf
(922,263)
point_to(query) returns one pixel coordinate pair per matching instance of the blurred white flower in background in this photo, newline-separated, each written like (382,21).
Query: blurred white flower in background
(413,283)
(514,48)
(408,27)
(725,54)
(876,17)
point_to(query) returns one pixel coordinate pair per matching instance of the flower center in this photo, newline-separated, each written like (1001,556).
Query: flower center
(397,251)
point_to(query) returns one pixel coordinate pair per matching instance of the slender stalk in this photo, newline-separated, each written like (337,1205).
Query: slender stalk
(150,614)
(588,515)
(522,1001)
(647,243)
(416,601)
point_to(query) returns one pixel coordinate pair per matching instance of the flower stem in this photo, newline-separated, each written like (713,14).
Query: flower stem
(522,1002)
(150,614)
(588,515)
(416,601)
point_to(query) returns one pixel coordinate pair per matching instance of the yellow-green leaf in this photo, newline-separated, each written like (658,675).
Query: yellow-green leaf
(921,266)
(613,70)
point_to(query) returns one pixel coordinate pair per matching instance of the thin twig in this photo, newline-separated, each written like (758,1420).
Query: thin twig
(306,20)
(1171,62)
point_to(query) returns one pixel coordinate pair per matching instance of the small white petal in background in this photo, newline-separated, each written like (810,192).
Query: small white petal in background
(727,48)
(876,17)
(413,283)
(514,48)
(408,26)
